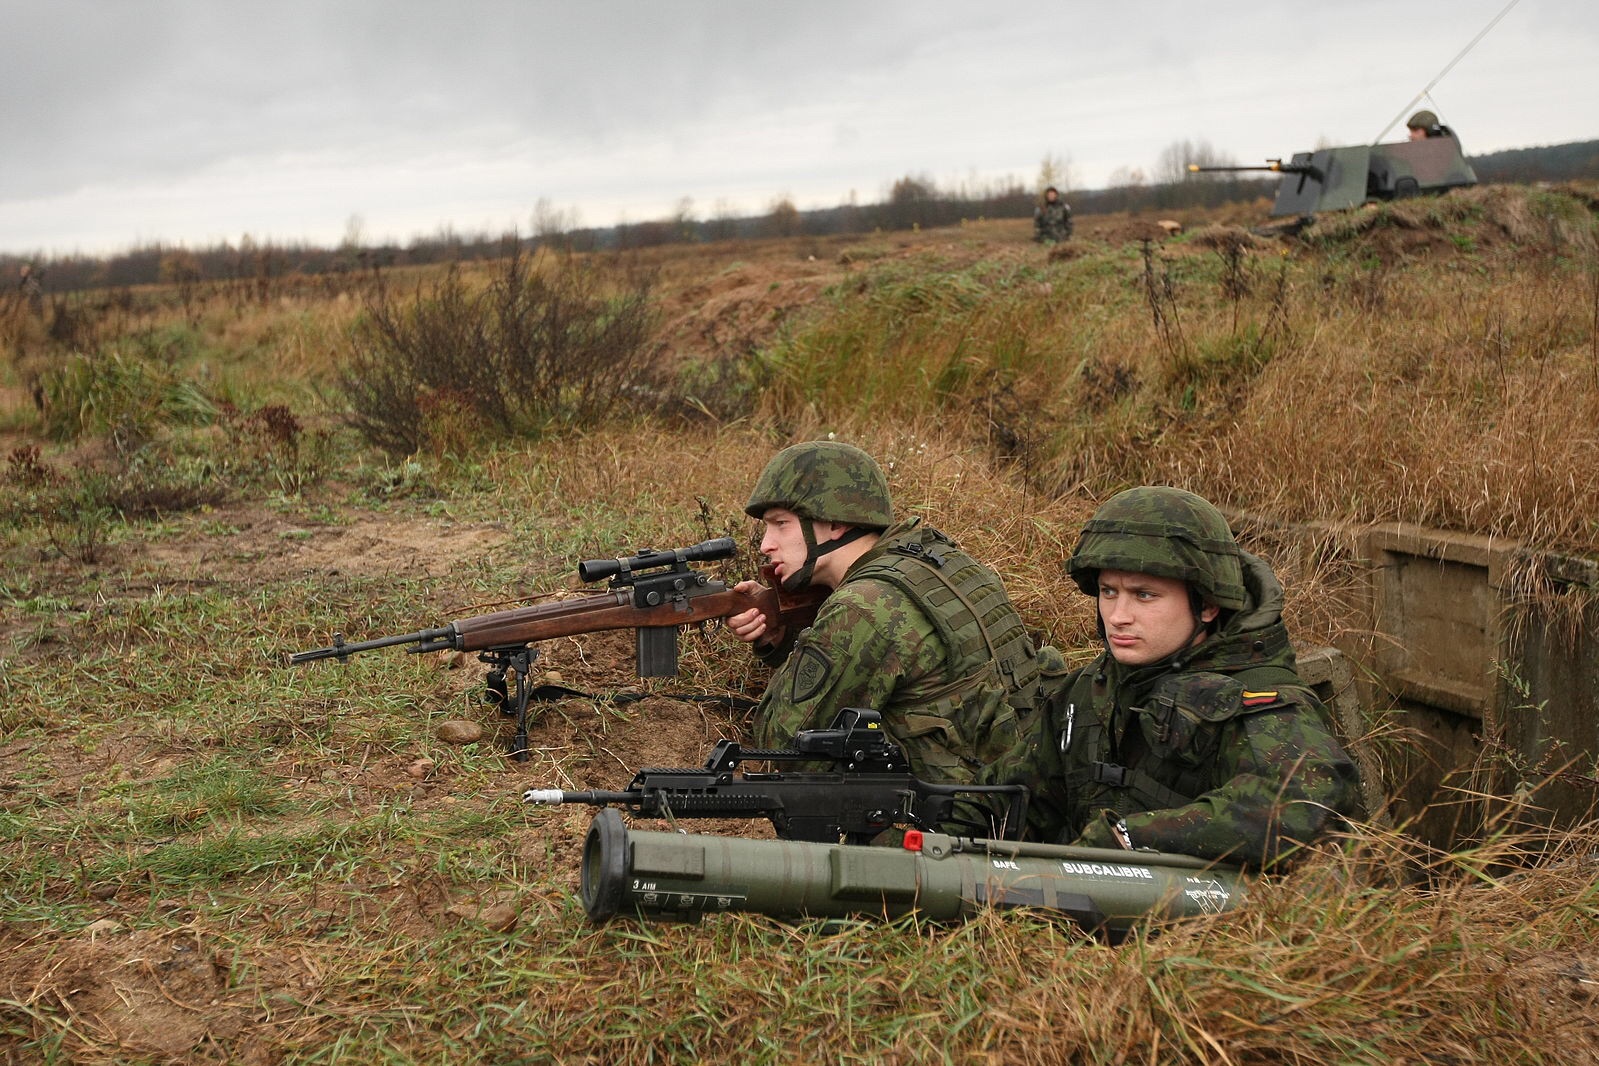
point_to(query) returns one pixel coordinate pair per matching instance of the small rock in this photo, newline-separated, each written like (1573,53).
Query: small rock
(459,731)
(500,917)
(104,925)
(103,891)
(420,769)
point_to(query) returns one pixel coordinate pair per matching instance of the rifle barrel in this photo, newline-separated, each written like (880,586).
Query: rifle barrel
(1195,168)
(554,797)
(438,639)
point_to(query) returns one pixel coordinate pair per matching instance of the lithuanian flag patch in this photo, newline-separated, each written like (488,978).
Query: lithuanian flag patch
(1259,699)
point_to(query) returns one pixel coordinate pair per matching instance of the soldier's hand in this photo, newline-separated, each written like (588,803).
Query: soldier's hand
(749,626)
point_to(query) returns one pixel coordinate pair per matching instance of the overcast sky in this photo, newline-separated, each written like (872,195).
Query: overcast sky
(199,121)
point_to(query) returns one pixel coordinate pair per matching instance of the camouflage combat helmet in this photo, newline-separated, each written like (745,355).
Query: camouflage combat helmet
(1166,532)
(1423,120)
(824,481)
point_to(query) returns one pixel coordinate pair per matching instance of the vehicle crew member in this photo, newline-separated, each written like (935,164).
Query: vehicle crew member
(1424,124)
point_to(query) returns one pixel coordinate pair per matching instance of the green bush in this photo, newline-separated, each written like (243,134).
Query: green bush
(126,398)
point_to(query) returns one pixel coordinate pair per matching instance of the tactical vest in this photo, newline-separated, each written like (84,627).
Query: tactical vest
(1170,740)
(990,668)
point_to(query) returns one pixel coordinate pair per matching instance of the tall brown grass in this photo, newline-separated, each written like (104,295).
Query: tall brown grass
(1420,362)
(297,869)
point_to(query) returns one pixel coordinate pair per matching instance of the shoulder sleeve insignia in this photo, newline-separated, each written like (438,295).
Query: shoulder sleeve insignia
(1260,699)
(812,668)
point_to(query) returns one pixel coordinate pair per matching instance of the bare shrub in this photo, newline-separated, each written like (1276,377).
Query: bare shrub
(72,509)
(24,468)
(270,443)
(536,350)
(1160,294)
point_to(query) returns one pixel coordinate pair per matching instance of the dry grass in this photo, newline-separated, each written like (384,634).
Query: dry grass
(291,882)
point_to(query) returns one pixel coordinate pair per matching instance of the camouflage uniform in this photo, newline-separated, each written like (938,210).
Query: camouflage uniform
(1052,221)
(1219,751)
(917,629)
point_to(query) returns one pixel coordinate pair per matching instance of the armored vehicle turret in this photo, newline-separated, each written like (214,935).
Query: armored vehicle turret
(1335,178)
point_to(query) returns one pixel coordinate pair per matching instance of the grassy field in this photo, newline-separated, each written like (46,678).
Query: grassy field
(209,856)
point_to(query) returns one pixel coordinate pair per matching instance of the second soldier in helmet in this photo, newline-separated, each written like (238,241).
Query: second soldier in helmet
(915,628)
(1192,732)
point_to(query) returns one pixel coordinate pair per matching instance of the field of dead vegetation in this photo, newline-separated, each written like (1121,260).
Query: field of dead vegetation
(207,855)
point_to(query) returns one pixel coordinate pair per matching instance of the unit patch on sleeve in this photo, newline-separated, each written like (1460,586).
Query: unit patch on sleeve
(812,668)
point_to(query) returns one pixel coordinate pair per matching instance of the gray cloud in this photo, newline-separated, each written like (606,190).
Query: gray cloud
(193,121)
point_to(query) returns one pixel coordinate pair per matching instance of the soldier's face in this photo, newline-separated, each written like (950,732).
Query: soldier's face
(783,540)
(1417,133)
(1147,617)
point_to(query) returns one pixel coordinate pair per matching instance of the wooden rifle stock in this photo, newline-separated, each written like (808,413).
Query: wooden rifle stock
(615,610)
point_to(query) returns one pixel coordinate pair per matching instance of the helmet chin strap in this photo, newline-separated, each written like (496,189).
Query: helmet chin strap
(801,578)
(1178,658)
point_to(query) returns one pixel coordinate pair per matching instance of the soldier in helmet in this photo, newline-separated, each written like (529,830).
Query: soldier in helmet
(1424,124)
(913,628)
(1192,732)
(1052,219)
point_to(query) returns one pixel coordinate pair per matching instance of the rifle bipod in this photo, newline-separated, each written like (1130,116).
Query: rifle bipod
(498,691)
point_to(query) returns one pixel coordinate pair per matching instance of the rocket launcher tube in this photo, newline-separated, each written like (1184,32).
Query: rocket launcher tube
(675,875)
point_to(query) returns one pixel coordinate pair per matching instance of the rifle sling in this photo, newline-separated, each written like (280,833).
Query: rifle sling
(547,693)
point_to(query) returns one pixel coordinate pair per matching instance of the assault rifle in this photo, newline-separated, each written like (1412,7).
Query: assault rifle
(653,593)
(869,788)
(940,877)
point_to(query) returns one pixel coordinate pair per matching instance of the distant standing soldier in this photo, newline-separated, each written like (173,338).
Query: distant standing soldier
(1052,219)
(28,285)
(1192,732)
(914,627)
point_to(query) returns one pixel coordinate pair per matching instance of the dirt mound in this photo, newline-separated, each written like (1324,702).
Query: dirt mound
(1518,220)
(1227,239)
(1129,231)
(741,309)
(152,993)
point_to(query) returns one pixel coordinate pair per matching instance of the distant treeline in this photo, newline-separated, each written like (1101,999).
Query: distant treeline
(1558,162)
(912,202)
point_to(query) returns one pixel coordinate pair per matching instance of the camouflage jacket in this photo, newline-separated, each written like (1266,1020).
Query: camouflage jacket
(1228,755)
(923,633)
(1052,222)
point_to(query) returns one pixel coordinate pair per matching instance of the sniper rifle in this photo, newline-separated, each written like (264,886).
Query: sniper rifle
(653,593)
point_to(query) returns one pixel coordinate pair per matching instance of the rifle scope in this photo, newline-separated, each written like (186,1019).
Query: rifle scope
(648,559)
